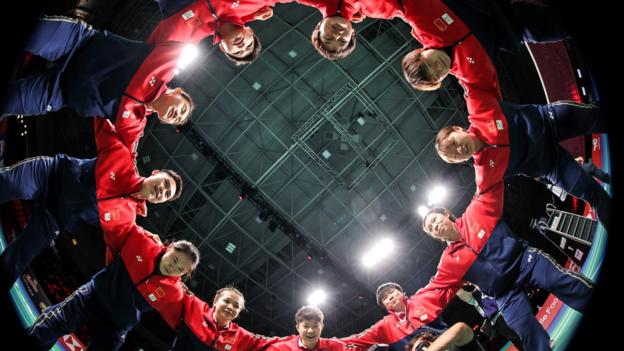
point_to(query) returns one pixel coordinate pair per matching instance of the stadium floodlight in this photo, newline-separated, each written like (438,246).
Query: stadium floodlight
(382,249)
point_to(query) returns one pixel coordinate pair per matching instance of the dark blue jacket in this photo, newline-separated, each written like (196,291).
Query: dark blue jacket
(532,147)
(491,21)
(118,296)
(497,266)
(73,191)
(99,71)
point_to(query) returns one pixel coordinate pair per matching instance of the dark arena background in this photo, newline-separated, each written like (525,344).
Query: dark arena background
(296,166)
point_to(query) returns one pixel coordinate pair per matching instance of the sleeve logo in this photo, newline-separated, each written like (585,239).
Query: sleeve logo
(499,124)
(448,19)
(188,15)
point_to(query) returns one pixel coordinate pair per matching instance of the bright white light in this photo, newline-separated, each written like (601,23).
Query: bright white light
(378,252)
(437,195)
(189,54)
(423,210)
(317,297)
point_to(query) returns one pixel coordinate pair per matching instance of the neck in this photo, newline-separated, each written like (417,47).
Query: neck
(139,195)
(150,105)
(153,106)
(479,143)
(309,345)
(221,324)
(402,308)
(455,235)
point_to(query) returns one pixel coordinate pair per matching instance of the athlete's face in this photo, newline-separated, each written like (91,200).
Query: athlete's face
(335,33)
(458,146)
(239,42)
(175,263)
(157,188)
(440,226)
(393,300)
(174,107)
(227,306)
(436,64)
(309,331)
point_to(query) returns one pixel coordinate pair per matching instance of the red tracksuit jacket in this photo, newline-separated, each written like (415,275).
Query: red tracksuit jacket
(435,26)
(330,8)
(199,331)
(116,178)
(390,330)
(473,67)
(475,227)
(196,21)
(115,171)
(488,121)
(292,343)
(139,253)
(148,83)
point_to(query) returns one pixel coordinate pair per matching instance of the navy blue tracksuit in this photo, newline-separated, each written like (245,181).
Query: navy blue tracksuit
(501,25)
(90,73)
(109,303)
(507,267)
(534,135)
(65,190)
